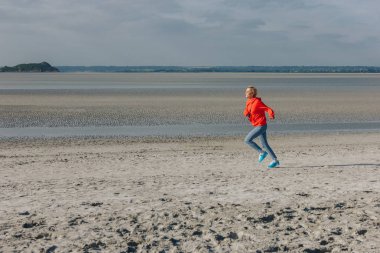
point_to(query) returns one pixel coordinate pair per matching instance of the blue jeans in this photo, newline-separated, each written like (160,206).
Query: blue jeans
(262,132)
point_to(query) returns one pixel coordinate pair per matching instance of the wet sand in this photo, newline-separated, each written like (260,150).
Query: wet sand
(183,107)
(75,100)
(190,195)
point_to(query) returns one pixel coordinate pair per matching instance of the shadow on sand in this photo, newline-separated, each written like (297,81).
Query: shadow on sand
(333,165)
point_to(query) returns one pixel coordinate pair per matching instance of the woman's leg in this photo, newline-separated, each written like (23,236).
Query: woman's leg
(255,132)
(264,142)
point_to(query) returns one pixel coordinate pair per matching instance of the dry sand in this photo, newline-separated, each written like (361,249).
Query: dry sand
(190,195)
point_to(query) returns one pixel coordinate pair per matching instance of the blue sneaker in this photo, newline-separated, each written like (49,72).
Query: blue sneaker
(273,164)
(262,156)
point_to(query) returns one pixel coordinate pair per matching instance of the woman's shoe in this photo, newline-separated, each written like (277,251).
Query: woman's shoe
(274,164)
(262,156)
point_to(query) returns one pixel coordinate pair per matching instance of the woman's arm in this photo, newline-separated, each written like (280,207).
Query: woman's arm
(246,111)
(268,110)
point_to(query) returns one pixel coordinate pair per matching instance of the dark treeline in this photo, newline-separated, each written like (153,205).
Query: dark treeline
(249,69)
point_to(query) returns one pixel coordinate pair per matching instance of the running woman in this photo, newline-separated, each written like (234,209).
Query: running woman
(255,111)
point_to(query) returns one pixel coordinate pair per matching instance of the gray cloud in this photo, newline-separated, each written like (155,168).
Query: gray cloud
(190,32)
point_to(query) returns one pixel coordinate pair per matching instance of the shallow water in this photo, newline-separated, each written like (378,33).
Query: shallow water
(130,81)
(182,130)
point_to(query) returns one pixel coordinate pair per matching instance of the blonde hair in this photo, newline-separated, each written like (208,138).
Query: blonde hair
(254,90)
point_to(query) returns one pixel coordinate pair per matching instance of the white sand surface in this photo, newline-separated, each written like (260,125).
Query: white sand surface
(190,195)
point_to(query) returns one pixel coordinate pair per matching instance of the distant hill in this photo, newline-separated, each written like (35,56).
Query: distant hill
(241,69)
(30,67)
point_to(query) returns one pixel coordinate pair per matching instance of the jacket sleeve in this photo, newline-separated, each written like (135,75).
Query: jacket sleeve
(270,112)
(246,111)
(267,109)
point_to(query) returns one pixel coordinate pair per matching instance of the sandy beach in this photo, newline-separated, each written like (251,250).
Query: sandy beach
(193,192)
(190,195)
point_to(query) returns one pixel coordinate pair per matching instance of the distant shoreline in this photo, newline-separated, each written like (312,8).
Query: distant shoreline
(46,67)
(221,69)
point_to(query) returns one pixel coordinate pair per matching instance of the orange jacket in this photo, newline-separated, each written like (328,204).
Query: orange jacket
(255,110)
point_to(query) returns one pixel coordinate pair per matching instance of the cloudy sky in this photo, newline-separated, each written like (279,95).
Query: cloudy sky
(190,32)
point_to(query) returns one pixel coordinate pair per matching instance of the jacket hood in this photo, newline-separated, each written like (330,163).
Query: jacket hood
(251,100)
